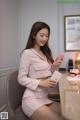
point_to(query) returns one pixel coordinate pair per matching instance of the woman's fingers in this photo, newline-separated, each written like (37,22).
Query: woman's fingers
(52,83)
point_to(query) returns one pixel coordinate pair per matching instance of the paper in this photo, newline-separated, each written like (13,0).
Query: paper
(56,76)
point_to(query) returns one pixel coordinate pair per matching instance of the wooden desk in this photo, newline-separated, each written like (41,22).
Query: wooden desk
(54,94)
(69,99)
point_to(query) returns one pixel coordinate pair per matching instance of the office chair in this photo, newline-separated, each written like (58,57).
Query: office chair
(14,97)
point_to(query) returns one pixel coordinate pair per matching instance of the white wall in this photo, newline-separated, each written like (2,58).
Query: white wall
(8,34)
(16,19)
(31,11)
(66,9)
(48,11)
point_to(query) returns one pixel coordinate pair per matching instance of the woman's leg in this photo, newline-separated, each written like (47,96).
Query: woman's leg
(45,113)
(55,106)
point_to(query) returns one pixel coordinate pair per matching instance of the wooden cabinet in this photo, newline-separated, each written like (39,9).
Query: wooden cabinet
(54,94)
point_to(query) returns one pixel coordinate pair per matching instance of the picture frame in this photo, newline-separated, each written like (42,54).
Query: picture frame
(72,33)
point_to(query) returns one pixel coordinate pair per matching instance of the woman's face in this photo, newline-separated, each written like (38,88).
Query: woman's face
(42,37)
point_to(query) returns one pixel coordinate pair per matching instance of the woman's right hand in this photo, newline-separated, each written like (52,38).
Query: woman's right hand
(47,83)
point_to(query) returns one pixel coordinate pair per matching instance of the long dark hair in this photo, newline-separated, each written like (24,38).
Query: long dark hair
(31,40)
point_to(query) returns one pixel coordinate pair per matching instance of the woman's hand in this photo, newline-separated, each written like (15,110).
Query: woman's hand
(47,83)
(56,64)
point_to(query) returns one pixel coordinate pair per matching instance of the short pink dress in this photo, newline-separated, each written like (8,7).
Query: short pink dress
(33,67)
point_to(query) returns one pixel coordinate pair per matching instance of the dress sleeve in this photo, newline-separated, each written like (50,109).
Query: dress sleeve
(23,78)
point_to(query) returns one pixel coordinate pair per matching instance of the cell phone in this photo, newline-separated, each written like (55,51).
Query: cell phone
(62,56)
(56,76)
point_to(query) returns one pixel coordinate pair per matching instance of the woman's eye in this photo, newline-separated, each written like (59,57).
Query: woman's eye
(44,36)
(41,35)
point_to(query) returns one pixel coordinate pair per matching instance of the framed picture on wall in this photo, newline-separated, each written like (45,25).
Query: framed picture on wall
(72,33)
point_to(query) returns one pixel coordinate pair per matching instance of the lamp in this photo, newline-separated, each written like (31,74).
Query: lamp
(77,62)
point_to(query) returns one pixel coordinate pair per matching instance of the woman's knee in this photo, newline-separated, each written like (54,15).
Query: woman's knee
(55,106)
(40,114)
(45,112)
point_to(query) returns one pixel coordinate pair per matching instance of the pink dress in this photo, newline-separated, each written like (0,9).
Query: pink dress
(33,67)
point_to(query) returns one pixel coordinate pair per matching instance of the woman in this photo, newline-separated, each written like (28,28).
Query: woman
(36,68)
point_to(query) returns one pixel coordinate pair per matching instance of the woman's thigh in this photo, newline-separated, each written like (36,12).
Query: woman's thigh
(55,106)
(45,113)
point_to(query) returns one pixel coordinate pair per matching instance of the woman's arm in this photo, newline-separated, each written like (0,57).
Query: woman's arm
(56,64)
(48,83)
(23,78)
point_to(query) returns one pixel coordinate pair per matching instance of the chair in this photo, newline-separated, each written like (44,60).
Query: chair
(14,97)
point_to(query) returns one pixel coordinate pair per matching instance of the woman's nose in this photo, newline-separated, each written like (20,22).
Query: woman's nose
(45,38)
